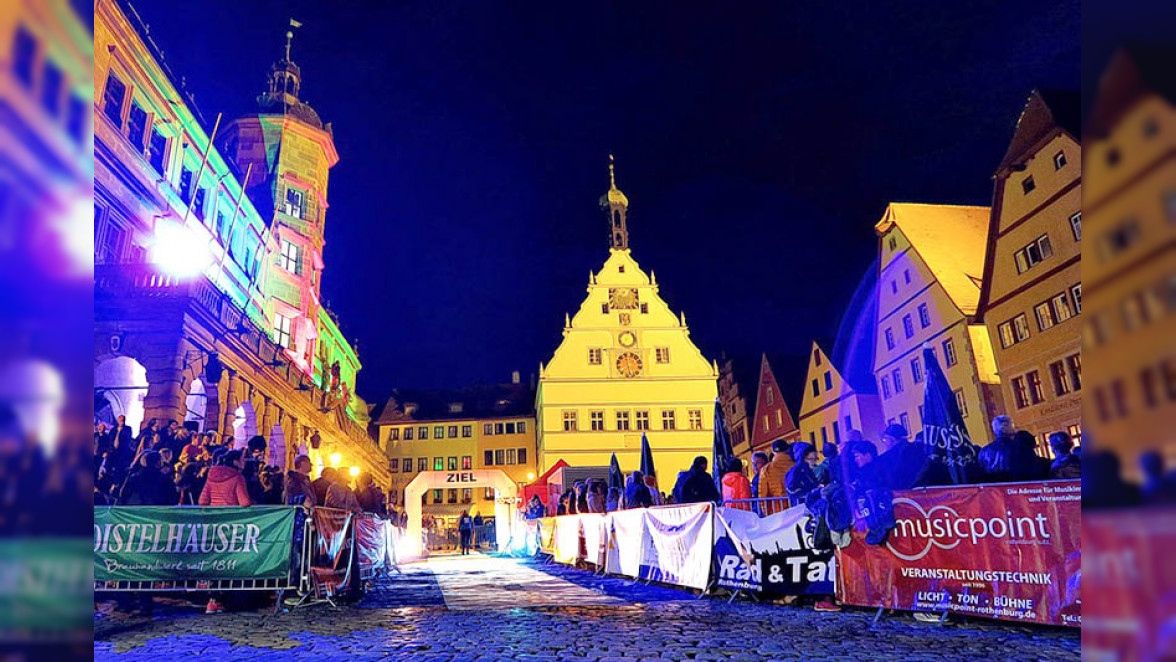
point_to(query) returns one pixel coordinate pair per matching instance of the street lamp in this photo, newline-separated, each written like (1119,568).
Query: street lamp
(530,475)
(336,459)
(354,471)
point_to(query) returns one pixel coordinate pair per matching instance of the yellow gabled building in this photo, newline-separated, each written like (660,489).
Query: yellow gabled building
(626,366)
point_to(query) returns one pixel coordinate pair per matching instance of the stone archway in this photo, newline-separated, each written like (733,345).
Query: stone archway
(504,512)
(122,382)
(244,424)
(196,404)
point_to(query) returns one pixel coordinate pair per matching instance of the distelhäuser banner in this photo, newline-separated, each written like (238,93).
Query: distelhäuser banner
(175,543)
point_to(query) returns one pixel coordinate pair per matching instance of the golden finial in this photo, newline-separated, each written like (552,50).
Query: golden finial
(612,174)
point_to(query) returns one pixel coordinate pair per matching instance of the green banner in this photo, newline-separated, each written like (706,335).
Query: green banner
(174,543)
(45,590)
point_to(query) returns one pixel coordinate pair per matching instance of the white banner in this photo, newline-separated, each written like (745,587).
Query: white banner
(678,545)
(593,530)
(567,539)
(625,532)
(772,555)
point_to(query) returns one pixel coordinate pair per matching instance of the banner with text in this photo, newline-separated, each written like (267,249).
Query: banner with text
(1008,551)
(678,545)
(593,530)
(772,555)
(169,543)
(625,539)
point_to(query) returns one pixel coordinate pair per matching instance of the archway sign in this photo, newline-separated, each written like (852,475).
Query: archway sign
(504,511)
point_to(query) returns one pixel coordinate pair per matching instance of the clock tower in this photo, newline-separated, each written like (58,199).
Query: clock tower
(626,367)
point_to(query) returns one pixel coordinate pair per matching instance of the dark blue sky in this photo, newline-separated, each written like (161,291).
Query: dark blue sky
(758,143)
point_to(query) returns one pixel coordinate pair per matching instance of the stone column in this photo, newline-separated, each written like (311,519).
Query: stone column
(231,402)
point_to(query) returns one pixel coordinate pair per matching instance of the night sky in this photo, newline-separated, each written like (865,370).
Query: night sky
(757,149)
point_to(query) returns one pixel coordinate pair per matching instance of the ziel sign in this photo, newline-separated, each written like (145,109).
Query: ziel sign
(460,477)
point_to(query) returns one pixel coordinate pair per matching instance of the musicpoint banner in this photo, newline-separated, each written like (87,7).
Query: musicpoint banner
(772,555)
(170,543)
(1010,551)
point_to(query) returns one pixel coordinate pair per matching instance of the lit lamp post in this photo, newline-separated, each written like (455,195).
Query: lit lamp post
(335,459)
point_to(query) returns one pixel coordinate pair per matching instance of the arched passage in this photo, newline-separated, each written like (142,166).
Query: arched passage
(244,424)
(276,453)
(122,382)
(196,404)
(505,490)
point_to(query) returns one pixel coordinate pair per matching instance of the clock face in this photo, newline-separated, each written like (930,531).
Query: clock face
(627,339)
(622,298)
(629,365)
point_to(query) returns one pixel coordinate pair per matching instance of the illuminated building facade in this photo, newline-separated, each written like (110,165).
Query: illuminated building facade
(1032,292)
(483,427)
(626,366)
(772,419)
(931,258)
(1129,275)
(736,390)
(833,403)
(203,313)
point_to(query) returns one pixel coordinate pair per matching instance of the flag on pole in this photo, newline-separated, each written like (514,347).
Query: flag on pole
(646,457)
(295,24)
(615,477)
(721,451)
(949,446)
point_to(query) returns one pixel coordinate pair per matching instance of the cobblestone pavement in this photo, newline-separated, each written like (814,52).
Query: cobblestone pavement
(488,609)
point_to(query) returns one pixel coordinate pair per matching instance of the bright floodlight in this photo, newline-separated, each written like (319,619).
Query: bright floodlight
(178,250)
(531,475)
(354,471)
(336,459)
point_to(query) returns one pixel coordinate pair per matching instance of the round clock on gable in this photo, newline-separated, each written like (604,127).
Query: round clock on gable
(629,365)
(627,339)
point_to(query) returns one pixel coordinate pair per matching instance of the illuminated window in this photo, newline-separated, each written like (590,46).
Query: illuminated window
(467,495)
(423,432)
(467,431)
(510,456)
(1059,160)
(663,354)
(137,126)
(961,402)
(282,330)
(437,496)
(1033,254)
(290,257)
(695,416)
(779,417)
(916,371)
(451,494)
(408,434)
(1033,382)
(570,424)
(487,429)
(1044,314)
(668,422)
(1061,308)
(924,316)
(488,494)
(596,420)
(1076,294)
(1061,378)
(452,464)
(522,427)
(595,356)
(422,464)
(949,352)
(500,457)
(622,420)
(394,434)
(1076,226)
(522,456)
(1074,365)
(438,464)
(642,419)
(294,202)
(438,431)
(394,465)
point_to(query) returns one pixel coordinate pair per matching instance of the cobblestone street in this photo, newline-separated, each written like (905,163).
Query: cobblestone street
(484,608)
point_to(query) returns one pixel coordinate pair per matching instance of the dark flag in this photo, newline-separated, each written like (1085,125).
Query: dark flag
(615,477)
(721,452)
(646,457)
(949,446)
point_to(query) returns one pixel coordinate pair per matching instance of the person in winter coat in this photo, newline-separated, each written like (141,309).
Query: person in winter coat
(901,464)
(696,485)
(535,508)
(253,484)
(1066,464)
(612,502)
(341,496)
(829,470)
(189,484)
(1010,458)
(802,479)
(596,497)
(735,485)
(465,527)
(654,494)
(771,478)
(148,486)
(298,488)
(636,493)
(225,485)
(370,498)
(323,483)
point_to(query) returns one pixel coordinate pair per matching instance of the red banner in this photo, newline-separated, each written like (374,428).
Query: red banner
(1009,551)
(330,567)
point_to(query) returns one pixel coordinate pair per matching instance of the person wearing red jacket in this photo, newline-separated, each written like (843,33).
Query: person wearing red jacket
(736,485)
(225,485)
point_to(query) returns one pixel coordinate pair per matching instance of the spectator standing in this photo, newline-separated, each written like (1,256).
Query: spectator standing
(612,502)
(323,483)
(341,496)
(535,508)
(636,493)
(465,528)
(1066,464)
(772,476)
(696,485)
(225,485)
(802,478)
(147,485)
(596,497)
(655,496)
(901,464)
(298,489)
(829,470)
(736,487)
(1009,458)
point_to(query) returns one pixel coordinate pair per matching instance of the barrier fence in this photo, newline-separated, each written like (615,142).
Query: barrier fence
(1003,551)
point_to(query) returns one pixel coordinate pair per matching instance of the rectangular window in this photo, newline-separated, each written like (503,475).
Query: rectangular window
(1028,184)
(1020,393)
(394,465)
(569,421)
(622,420)
(961,402)
(905,421)
(438,496)
(488,429)
(408,434)
(500,457)
(185,191)
(816,388)
(1059,160)
(1061,308)
(488,458)
(1045,319)
(885,386)
(813,438)
(771,394)
(499,428)
(695,416)
(924,316)
(908,326)
(906,276)
(949,352)
(836,433)
(1076,226)
(828,380)
(452,432)
(198,203)
(1076,294)
(1061,379)
(452,464)
(394,434)
(488,494)
(137,127)
(889,338)
(290,257)
(644,308)
(467,431)
(824,435)
(604,308)
(438,464)
(24,58)
(77,120)
(767,423)
(916,371)
(467,495)
(848,423)
(510,456)
(1033,254)
(642,420)
(510,428)
(897,375)
(1074,365)
(113,98)
(522,427)
(282,327)
(422,464)
(595,356)
(663,354)
(423,432)
(438,431)
(1033,381)
(157,151)
(596,420)
(522,455)
(1020,328)
(668,422)
(294,202)
(451,493)
(1119,238)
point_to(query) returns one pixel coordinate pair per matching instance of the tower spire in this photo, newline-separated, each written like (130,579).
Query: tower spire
(617,206)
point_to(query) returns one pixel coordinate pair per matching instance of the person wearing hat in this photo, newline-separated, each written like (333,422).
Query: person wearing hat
(901,465)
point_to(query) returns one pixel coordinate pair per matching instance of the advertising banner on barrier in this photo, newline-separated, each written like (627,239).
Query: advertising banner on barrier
(1010,551)
(169,543)
(546,534)
(330,567)
(567,539)
(371,537)
(592,529)
(677,545)
(772,555)
(625,536)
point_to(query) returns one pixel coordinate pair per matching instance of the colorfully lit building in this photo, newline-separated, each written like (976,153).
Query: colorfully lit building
(483,427)
(626,367)
(736,388)
(1129,275)
(931,259)
(1032,286)
(203,311)
(833,404)
(772,419)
